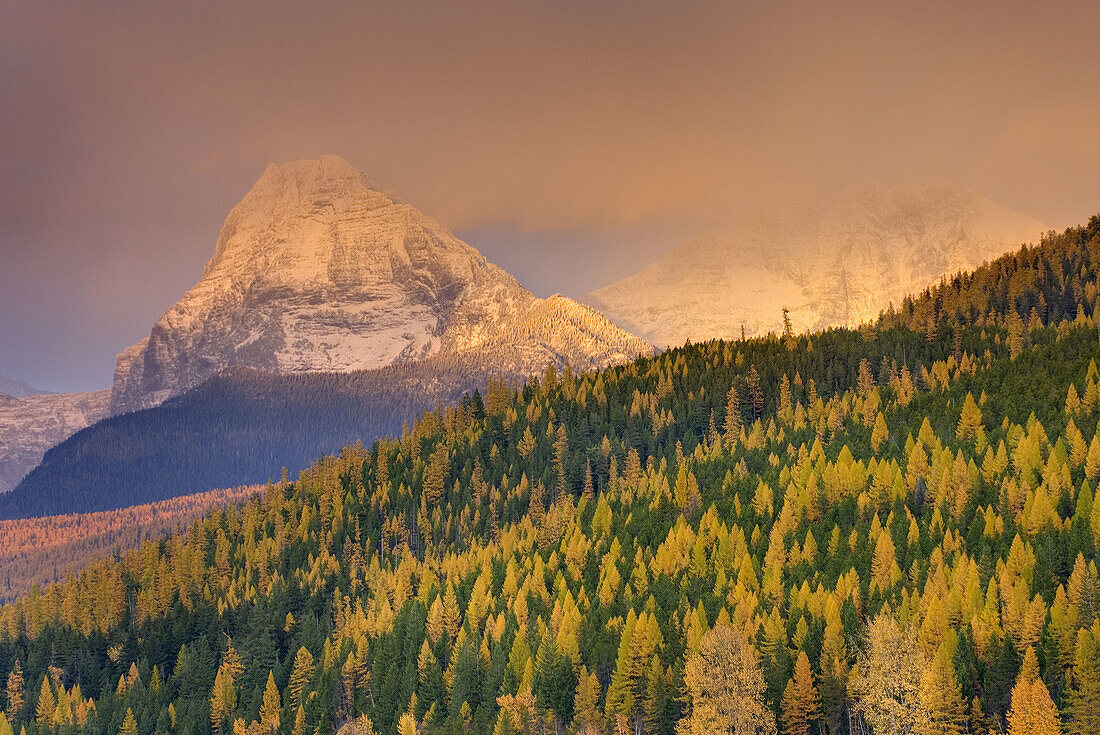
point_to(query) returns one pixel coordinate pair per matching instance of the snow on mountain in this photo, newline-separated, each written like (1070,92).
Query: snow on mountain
(317,270)
(838,260)
(17,388)
(32,424)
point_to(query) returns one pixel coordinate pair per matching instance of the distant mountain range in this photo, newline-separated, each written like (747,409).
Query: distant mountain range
(17,388)
(837,260)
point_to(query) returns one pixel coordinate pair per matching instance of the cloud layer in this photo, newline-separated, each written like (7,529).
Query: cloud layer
(129,129)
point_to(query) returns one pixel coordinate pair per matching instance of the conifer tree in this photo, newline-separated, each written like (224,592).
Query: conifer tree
(15,691)
(435,475)
(300,676)
(1032,712)
(732,426)
(1015,333)
(586,713)
(880,433)
(1084,695)
(223,697)
(300,722)
(941,710)
(756,392)
(801,705)
(970,422)
(272,705)
(129,724)
(44,709)
(407,725)
(884,564)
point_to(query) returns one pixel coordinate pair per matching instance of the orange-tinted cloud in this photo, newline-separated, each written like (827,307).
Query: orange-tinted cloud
(129,129)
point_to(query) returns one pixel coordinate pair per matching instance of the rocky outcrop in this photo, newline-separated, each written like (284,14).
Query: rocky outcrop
(836,261)
(31,425)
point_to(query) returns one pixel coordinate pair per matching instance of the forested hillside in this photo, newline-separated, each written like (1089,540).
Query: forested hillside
(37,551)
(238,428)
(888,530)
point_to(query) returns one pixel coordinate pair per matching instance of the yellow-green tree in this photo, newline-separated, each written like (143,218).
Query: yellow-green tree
(300,675)
(1032,711)
(1084,696)
(726,687)
(46,703)
(272,705)
(941,709)
(15,690)
(129,724)
(970,422)
(801,704)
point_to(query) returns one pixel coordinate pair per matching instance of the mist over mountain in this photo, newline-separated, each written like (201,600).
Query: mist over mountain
(837,260)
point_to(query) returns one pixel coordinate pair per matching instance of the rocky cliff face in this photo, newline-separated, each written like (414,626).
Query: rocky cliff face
(30,425)
(836,261)
(316,270)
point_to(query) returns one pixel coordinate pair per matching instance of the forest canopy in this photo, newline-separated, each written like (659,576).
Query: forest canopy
(890,529)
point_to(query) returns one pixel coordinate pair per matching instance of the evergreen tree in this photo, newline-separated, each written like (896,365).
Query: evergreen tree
(1084,696)
(15,691)
(801,705)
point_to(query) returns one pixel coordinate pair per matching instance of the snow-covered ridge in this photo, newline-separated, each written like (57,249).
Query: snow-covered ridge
(317,270)
(838,260)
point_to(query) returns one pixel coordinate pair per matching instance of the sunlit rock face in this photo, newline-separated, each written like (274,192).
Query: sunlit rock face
(29,425)
(838,260)
(317,270)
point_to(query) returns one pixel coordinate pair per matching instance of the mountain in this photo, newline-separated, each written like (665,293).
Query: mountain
(17,388)
(864,531)
(317,270)
(837,260)
(31,425)
(244,425)
(329,312)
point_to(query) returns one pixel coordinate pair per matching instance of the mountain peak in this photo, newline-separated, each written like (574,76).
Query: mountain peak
(327,167)
(17,388)
(316,270)
(835,259)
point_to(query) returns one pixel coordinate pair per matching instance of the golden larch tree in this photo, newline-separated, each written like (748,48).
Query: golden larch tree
(801,703)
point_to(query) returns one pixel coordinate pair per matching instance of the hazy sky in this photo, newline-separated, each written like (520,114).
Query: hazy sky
(571,142)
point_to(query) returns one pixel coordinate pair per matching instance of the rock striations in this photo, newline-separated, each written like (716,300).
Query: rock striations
(317,270)
(836,261)
(30,425)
